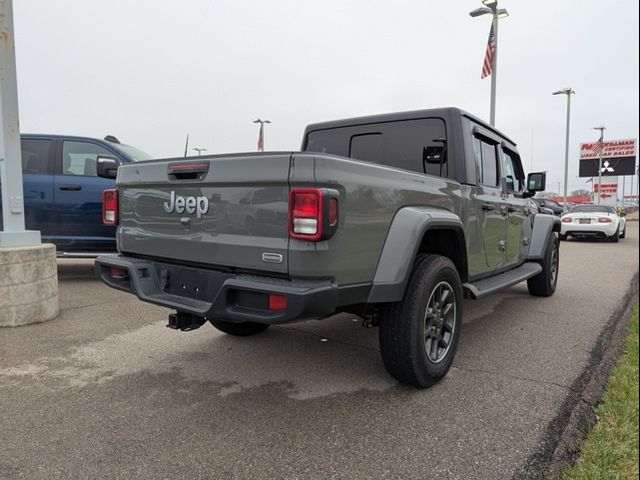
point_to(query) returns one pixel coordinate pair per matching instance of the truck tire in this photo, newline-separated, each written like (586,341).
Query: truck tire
(243,329)
(615,237)
(419,335)
(544,283)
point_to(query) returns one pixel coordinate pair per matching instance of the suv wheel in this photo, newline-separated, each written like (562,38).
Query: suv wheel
(419,335)
(544,283)
(243,329)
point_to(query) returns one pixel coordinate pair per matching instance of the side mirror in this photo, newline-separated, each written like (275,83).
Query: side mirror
(536,182)
(107,167)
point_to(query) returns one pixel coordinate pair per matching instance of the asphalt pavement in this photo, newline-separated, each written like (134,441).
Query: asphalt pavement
(106,391)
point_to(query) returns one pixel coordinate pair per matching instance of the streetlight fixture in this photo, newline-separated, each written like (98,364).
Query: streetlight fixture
(261,133)
(199,150)
(568,92)
(491,8)
(602,128)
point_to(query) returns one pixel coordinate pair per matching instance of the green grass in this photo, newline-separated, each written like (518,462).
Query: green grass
(610,450)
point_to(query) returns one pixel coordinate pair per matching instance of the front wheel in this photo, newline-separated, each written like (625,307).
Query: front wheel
(544,283)
(242,329)
(419,335)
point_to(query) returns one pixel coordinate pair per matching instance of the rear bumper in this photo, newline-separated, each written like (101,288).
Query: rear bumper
(217,294)
(589,229)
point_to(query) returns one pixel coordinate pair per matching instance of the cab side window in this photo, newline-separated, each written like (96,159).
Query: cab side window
(81,158)
(36,156)
(513,174)
(487,169)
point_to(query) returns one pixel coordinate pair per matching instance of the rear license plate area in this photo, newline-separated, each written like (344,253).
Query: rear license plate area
(189,282)
(585,220)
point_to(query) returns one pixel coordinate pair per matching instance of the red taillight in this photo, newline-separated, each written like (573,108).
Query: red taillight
(110,206)
(277,302)
(604,220)
(313,213)
(305,214)
(566,219)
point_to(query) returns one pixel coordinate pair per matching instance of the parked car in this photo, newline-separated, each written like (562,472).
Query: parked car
(394,217)
(549,205)
(63,181)
(593,221)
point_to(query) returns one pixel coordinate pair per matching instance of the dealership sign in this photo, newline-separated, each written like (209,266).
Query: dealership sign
(618,158)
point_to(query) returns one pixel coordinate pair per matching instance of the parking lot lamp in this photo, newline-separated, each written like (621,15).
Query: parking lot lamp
(491,8)
(602,128)
(568,92)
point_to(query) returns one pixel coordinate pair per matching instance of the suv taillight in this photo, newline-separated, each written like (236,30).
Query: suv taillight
(110,206)
(313,213)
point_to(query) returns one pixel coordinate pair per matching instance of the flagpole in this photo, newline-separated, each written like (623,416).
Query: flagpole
(494,70)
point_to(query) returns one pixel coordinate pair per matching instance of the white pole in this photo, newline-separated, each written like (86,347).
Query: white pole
(600,165)
(10,159)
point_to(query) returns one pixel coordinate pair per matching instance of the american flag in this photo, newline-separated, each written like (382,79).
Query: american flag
(261,138)
(487,66)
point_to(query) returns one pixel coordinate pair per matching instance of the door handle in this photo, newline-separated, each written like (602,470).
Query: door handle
(70,188)
(488,207)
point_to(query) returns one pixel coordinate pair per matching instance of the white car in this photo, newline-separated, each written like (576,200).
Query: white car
(593,221)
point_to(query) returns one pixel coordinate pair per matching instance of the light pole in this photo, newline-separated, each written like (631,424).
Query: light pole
(261,133)
(491,8)
(568,92)
(199,150)
(602,128)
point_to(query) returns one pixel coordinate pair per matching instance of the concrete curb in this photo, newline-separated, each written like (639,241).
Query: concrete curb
(563,436)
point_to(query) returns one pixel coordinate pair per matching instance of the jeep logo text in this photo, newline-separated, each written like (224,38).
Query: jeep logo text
(188,205)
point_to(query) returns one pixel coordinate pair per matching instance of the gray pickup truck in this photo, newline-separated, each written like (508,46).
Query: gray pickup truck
(395,218)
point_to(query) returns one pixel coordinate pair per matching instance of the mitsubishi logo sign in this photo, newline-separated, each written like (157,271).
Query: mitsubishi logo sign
(606,167)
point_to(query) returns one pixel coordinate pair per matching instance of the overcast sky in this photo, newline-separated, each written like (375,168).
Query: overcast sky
(150,71)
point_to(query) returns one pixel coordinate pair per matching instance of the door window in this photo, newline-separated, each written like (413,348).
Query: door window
(486,162)
(36,156)
(513,174)
(81,158)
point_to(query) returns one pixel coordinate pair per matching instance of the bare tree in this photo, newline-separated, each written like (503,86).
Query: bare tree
(581,192)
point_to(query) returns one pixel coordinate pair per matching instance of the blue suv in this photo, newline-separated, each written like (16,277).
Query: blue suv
(63,180)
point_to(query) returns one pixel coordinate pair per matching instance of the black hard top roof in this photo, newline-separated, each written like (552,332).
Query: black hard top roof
(448,113)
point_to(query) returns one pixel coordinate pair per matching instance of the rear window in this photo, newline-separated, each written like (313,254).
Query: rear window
(416,145)
(592,209)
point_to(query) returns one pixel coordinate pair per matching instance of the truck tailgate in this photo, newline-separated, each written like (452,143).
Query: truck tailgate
(229,211)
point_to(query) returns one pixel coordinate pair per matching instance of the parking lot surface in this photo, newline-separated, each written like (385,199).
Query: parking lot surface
(106,391)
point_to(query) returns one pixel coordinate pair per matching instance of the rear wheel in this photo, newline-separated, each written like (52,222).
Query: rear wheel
(624,232)
(544,284)
(615,237)
(562,237)
(243,329)
(419,335)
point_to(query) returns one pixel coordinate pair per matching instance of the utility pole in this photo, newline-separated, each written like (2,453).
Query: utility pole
(602,128)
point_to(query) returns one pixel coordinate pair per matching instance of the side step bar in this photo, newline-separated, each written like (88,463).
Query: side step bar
(483,288)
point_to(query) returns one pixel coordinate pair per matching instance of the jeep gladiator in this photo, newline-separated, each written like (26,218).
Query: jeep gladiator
(394,217)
